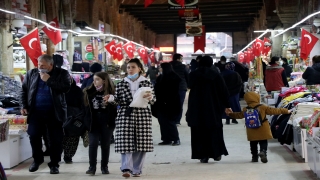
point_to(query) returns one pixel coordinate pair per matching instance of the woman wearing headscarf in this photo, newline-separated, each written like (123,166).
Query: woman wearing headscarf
(207,99)
(234,85)
(168,104)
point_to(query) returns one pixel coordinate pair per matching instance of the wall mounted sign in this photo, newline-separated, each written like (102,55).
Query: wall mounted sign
(189,14)
(188,4)
(89,56)
(88,48)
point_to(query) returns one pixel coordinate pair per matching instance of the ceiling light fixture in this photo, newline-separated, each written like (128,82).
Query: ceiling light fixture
(293,26)
(87,27)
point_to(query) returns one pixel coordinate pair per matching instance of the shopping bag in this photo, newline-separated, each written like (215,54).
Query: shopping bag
(138,100)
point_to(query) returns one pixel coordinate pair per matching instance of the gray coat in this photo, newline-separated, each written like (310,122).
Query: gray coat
(133,131)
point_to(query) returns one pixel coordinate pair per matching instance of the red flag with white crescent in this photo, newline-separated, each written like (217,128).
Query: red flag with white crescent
(246,57)
(258,47)
(111,47)
(307,43)
(152,57)
(53,35)
(143,54)
(266,50)
(119,54)
(129,49)
(31,43)
(250,55)
(241,57)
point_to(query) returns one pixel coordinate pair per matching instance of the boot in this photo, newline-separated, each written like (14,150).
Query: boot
(91,171)
(234,121)
(255,158)
(263,156)
(204,160)
(105,170)
(227,121)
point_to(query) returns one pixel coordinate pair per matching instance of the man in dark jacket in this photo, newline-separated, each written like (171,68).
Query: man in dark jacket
(312,74)
(153,72)
(180,69)
(42,99)
(96,67)
(221,63)
(242,71)
(286,67)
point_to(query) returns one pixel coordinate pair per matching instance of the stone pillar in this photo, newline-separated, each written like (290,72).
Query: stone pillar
(276,44)
(6,54)
(70,47)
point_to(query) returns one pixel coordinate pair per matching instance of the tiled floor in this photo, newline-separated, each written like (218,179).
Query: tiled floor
(173,163)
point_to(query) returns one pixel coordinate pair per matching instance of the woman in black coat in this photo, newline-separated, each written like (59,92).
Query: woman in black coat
(168,104)
(234,84)
(207,99)
(74,99)
(312,74)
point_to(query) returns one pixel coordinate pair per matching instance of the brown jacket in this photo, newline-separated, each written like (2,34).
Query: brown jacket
(262,133)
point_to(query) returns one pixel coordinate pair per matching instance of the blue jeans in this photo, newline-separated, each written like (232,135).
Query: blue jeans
(182,94)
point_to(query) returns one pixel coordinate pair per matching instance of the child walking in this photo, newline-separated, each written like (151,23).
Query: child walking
(261,134)
(100,120)
(133,135)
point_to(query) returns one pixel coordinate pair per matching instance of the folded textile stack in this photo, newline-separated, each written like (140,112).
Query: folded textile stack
(304,109)
(4,129)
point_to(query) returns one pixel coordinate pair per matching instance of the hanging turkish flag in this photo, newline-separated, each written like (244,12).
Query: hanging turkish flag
(31,43)
(258,47)
(118,53)
(250,54)
(307,43)
(200,41)
(181,2)
(129,49)
(53,35)
(246,58)
(266,40)
(111,47)
(241,57)
(152,57)
(266,50)
(147,3)
(143,54)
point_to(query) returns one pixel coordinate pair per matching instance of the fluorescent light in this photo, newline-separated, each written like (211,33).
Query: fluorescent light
(10,12)
(74,32)
(46,24)
(261,31)
(92,29)
(293,26)
(90,32)
(265,32)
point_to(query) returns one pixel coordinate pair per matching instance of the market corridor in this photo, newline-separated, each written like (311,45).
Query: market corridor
(173,162)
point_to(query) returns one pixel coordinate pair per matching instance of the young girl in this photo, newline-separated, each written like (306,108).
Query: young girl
(99,119)
(263,133)
(133,137)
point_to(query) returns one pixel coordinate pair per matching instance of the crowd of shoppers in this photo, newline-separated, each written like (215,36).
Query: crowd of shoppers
(50,98)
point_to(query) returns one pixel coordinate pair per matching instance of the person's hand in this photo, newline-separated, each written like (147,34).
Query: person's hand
(44,76)
(106,98)
(228,111)
(148,96)
(24,111)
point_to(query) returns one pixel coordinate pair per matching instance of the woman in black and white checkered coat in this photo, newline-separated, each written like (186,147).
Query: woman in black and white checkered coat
(133,134)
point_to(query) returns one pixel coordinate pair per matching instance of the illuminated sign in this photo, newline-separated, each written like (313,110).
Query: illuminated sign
(166,49)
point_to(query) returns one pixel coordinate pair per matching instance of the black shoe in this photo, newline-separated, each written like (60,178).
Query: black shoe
(263,156)
(227,121)
(68,160)
(34,166)
(105,170)
(165,143)
(54,170)
(255,158)
(176,143)
(91,171)
(217,159)
(234,121)
(204,160)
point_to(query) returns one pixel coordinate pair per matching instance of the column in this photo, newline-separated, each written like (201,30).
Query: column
(276,44)
(6,55)
(70,47)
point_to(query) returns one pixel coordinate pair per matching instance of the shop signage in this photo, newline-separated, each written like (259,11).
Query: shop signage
(166,49)
(88,48)
(188,4)
(189,14)
(199,42)
(194,28)
(89,56)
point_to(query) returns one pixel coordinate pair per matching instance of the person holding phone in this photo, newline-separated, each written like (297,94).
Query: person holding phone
(133,133)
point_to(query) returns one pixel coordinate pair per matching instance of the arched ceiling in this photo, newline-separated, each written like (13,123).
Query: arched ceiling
(217,15)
